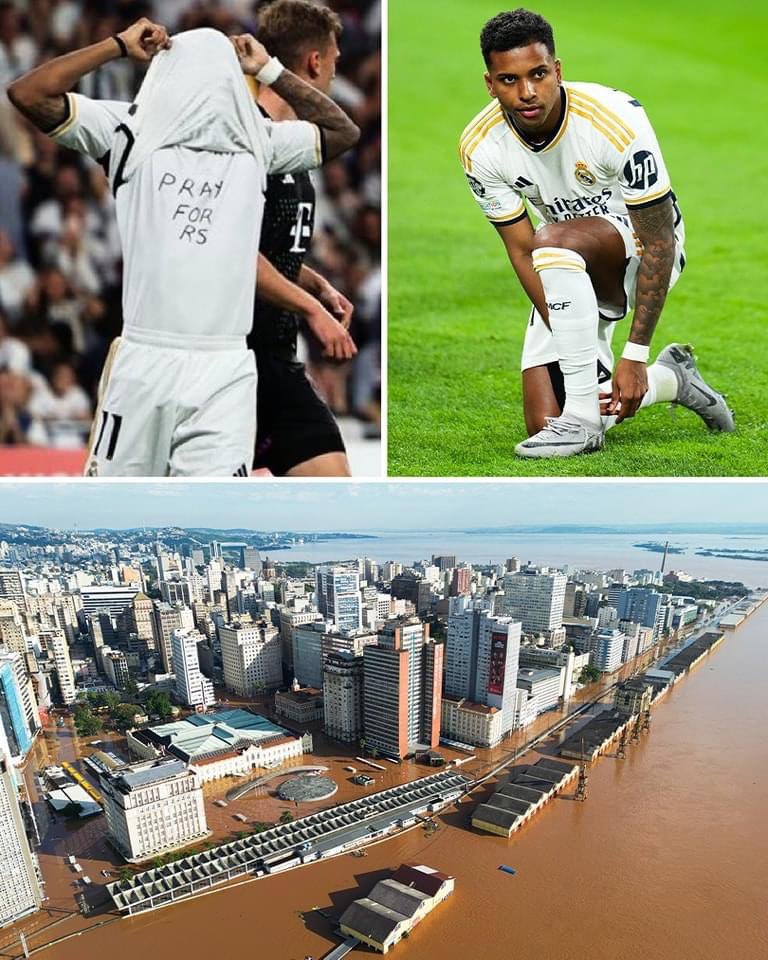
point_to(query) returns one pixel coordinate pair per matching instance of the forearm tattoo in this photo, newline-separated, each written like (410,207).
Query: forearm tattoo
(655,229)
(309,104)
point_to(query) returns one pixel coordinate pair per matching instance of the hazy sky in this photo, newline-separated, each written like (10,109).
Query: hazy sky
(401,505)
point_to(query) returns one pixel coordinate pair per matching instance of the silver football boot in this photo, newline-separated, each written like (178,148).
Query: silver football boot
(563,436)
(693,392)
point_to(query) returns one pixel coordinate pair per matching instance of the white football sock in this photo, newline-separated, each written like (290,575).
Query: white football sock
(662,388)
(573,318)
(664,384)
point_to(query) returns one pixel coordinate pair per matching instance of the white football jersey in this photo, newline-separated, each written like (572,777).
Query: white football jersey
(189,221)
(603,159)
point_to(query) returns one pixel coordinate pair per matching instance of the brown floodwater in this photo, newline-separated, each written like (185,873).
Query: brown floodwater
(668,857)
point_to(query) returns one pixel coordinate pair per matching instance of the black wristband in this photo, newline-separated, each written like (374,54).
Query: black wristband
(121,43)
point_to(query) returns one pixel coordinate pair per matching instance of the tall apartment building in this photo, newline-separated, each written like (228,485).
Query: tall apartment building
(290,619)
(575,603)
(443,563)
(250,559)
(12,587)
(176,591)
(414,589)
(20,884)
(114,664)
(166,618)
(138,619)
(343,696)
(402,681)
(192,688)
(390,569)
(58,652)
(337,589)
(643,606)
(481,658)
(13,713)
(606,648)
(153,807)
(109,599)
(250,655)
(461,582)
(348,641)
(535,598)
(13,636)
(307,653)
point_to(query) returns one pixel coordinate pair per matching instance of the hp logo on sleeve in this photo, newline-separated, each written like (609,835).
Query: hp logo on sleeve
(641,171)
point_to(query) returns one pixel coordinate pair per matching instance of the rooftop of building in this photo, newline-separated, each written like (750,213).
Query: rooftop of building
(135,775)
(421,877)
(373,920)
(471,706)
(210,734)
(305,695)
(397,896)
(634,685)
(537,675)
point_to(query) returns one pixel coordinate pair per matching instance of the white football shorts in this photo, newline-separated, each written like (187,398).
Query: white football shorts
(175,411)
(538,346)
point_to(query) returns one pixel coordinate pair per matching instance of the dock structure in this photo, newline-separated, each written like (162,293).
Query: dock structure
(395,905)
(319,835)
(741,610)
(594,738)
(682,661)
(342,949)
(528,789)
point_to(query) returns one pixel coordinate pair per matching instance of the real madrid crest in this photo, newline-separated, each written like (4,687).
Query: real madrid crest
(584,175)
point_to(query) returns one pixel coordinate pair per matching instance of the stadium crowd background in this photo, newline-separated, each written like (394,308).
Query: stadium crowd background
(60,264)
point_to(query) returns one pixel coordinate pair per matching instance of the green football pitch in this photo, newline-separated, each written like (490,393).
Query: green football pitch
(456,313)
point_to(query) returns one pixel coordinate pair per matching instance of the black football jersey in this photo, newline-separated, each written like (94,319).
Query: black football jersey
(286,234)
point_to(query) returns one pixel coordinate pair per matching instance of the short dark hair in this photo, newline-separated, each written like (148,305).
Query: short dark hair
(288,28)
(516,28)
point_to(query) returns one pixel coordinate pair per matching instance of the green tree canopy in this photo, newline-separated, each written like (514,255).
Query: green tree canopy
(589,674)
(158,704)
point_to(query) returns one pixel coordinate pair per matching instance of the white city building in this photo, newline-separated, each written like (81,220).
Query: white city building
(58,649)
(20,892)
(481,659)
(541,684)
(472,723)
(536,598)
(153,807)
(337,591)
(192,688)
(606,647)
(251,657)
(343,696)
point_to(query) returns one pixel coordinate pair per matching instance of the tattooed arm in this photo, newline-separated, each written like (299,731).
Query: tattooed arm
(40,94)
(655,229)
(339,131)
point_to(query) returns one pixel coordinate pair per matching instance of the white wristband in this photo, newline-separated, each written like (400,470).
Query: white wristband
(270,72)
(638,352)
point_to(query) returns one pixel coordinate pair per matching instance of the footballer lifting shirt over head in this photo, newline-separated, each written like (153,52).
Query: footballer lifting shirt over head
(187,162)
(585,159)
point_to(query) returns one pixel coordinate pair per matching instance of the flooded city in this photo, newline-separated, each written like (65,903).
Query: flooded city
(666,834)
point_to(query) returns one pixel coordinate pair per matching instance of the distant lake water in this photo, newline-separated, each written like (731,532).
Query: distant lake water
(599,551)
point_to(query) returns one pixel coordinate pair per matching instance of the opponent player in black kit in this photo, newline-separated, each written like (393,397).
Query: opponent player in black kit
(296,432)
